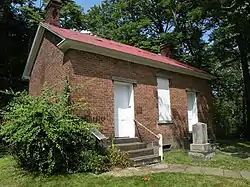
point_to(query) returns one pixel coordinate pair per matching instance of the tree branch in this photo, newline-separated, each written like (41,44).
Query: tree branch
(229,7)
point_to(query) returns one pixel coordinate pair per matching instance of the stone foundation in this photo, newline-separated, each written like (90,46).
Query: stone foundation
(201,147)
(201,155)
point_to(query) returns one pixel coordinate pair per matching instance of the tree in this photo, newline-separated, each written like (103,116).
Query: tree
(233,19)
(147,24)
(228,86)
(19,20)
(14,35)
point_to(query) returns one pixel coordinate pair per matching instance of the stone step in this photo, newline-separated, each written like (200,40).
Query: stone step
(146,160)
(131,146)
(140,152)
(125,140)
(167,150)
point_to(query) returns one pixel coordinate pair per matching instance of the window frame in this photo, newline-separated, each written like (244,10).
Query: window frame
(168,113)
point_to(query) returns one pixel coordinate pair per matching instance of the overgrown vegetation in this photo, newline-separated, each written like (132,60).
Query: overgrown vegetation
(117,158)
(43,134)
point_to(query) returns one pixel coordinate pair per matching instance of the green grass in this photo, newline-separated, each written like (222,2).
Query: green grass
(11,176)
(238,148)
(231,155)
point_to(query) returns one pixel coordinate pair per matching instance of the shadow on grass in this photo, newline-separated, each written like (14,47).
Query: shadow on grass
(3,150)
(235,148)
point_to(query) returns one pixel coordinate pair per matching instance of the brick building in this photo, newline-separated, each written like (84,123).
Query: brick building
(120,83)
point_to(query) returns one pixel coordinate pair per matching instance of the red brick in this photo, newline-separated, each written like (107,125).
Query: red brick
(93,74)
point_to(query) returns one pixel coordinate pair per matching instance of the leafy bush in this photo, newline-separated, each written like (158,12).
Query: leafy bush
(93,162)
(117,158)
(44,135)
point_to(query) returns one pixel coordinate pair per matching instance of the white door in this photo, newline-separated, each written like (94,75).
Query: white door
(124,110)
(192,110)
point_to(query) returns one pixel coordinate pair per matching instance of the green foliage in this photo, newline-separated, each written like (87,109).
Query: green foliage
(209,34)
(113,158)
(15,39)
(147,24)
(93,162)
(228,87)
(117,158)
(44,135)
(72,16)
(228,56)
(19,20)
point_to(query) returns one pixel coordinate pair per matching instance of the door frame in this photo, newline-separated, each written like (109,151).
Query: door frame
(190,126)
(131,105)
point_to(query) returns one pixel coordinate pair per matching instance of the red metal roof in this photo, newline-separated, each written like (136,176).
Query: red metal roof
(101,42)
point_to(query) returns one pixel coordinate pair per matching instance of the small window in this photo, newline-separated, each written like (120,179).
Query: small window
(163,100)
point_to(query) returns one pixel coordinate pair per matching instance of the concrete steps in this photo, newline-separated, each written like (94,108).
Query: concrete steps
(131,146)
(125,140)
(146,160)
(139,153)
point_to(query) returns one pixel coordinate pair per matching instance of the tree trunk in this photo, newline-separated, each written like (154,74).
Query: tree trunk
(244,116)
(241,41)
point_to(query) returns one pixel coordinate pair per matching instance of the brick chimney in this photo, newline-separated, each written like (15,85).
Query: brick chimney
(52,15)
(166,50)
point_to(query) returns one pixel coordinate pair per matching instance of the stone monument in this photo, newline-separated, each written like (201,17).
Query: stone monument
(200,148)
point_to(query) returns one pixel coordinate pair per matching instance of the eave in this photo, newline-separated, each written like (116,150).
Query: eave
(71,44)
(66,44)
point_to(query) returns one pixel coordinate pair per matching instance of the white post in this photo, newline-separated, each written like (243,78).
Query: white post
(160,146)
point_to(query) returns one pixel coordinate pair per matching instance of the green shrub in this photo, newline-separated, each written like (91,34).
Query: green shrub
(93,162)
(117,158)
(44,135)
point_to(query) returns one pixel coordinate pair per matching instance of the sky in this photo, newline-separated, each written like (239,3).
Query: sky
(86,4)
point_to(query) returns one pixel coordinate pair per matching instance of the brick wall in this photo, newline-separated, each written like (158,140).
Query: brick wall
(90,76)
(51,66)
(94,74)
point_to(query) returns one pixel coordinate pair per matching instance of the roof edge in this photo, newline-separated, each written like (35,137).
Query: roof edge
(49,29)
(66,44)
(72,44)
(33,52)
(35,48)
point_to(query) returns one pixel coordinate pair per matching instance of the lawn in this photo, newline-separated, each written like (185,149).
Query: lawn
(11,175)
(232,155)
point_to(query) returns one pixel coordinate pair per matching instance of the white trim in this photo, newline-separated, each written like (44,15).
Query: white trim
(35,48)
(68,43)
(160,142)
(125,80)
(33,52)
(46,27)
